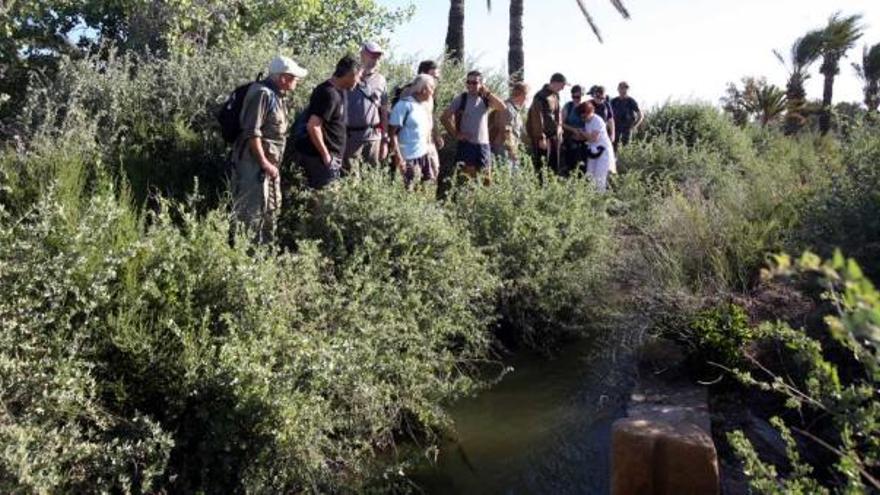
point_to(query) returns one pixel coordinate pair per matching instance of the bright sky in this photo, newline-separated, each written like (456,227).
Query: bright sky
(670,49)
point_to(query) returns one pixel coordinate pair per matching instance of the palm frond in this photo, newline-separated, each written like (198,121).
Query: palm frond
(590,20)
(779,57)
(841,33)
(618,4)
(808,48)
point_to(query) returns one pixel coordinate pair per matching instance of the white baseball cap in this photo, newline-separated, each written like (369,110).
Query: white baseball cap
(372,47)
(284,65)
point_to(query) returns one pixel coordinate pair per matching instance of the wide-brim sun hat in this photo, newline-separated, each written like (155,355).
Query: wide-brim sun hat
(285,65)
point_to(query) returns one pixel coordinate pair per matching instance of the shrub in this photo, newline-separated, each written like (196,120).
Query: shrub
(153,118)
(695,124)
(58,277)
(551,246)
(172,361)
(846,212)
(709,224)
(835,398)
(408,241)
(718,334)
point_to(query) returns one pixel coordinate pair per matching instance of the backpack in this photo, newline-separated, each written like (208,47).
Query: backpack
(230,113)
(398,92)
(299,129)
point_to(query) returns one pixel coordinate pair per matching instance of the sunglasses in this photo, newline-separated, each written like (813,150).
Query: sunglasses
(472,83)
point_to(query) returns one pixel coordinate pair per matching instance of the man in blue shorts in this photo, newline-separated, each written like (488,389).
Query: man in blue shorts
(467,118)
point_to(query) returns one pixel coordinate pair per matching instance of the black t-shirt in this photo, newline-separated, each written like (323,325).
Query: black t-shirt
(625,111)
(328,103)
(603,110)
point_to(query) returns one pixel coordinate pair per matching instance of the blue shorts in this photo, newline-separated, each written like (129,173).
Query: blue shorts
(476,155)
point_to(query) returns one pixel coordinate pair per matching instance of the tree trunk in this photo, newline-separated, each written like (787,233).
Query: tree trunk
(455,31)
(872,96)
(827,98)
(795,96)
(515,54)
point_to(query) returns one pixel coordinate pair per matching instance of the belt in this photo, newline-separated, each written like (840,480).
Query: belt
(363,128)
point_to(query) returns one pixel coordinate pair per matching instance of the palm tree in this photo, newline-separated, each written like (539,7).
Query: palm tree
(839,36)
(515,55)
(869,73)
(769,103)
(516,58)
(455,31)
(804,53)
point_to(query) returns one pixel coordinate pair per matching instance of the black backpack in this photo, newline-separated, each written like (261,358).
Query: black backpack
(398,92)
(230,112)
(299,131)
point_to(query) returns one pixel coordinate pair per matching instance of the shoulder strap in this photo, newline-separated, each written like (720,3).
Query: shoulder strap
(462,105)
(371,99)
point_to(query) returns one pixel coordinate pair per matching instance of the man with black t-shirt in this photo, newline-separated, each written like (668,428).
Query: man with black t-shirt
(604,109)
(627,115)
(322,147)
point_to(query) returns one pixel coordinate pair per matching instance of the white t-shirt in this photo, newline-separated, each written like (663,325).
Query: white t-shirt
(597,124)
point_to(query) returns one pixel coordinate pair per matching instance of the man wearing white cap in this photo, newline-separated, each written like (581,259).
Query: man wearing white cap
(260,146)
(368,108)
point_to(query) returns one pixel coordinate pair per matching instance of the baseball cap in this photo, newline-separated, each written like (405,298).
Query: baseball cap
(558,78)
(372,47)
(284,65)
(623,84)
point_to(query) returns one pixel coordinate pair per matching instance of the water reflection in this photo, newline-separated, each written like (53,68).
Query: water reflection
(545,428)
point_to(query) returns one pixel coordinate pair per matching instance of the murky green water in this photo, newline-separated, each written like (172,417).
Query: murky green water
(545,428)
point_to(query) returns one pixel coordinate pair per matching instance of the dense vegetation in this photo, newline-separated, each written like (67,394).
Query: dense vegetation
(142,351)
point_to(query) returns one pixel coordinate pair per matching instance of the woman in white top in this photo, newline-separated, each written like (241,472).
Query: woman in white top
(600,156)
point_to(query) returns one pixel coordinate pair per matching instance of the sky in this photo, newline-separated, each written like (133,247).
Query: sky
(671,50)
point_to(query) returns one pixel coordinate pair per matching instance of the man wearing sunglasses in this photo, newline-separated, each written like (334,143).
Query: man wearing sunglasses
(467,119)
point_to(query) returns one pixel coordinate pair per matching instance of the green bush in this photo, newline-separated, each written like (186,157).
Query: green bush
(833,395)
(552,247)
(694,124)
(846,213)
(409,242)
(153,356)
(709,225)
(58,274)
(718,334)
(153,119)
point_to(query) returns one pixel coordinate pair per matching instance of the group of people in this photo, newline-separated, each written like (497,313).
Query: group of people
(352,120)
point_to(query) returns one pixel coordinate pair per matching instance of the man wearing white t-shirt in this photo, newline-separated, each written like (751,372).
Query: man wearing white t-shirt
(411,126)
